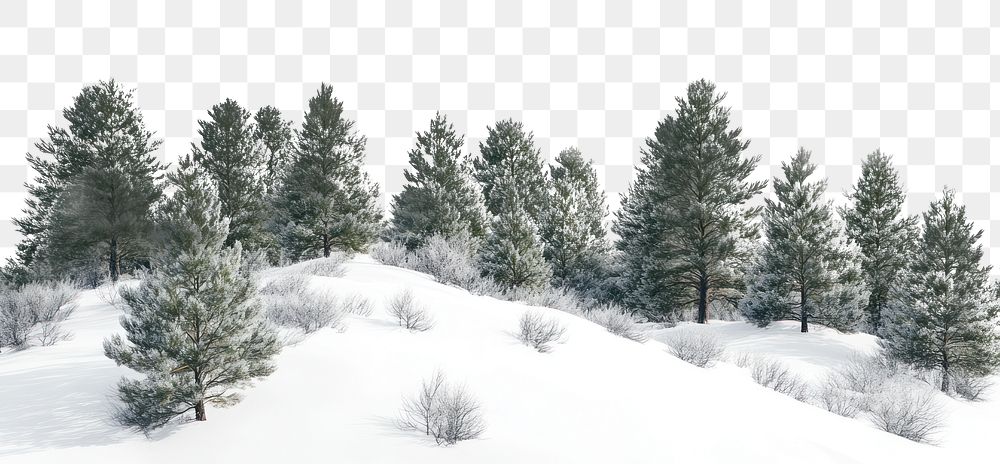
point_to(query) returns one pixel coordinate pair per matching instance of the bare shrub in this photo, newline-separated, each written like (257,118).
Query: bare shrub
(109,293)
(617,321)
(563,299)
(253,262)
(305,311)
(700,349)
(485,286)
(404,308)
(285,284)
(357,305)
(970,387)
(449,260)
(832,397)
(37,304)
(389,253)
(447,413)
(914,415)
(866,374)
(538,332)
(776,376)
(742,359)
(332,266)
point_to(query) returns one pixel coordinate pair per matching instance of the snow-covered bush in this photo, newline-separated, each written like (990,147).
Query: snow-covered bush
(842,402)
(616,321)
(968,386)
(37,305)
(538,332)
(389,253)
(773,374)
(332,266)
(700,349)
(563,299)
(288,302)
(448,413)
(910,413)
(448,259)
(285,284)
(404,308)
(357,305)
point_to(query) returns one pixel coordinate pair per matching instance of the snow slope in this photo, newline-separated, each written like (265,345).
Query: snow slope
(594,398)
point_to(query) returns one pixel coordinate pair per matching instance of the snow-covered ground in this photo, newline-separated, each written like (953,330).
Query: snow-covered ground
(594,398)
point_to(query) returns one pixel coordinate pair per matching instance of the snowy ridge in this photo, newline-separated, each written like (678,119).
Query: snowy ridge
(594,398)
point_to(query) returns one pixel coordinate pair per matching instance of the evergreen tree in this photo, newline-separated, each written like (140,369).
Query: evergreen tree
(441,197)
(105,153)
(685,218)
(942,316)
(100,188)
(510,170)
(231,157)
(193,327)
(875,222)
(807,270)
(513,253)
(572,225)
(326,200)
(275,133)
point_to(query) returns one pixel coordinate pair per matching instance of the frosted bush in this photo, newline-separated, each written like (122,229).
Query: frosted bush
(773,374)
(357,305)
(41,306)
(538,332)
(700,349)
(914,415)
(448,413)
(389,253)
(404,308)
(449,260)
(617,321)
(332,266)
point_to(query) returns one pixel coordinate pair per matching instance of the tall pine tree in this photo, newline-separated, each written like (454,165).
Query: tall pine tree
(572,225)
(326,201)
(875,222)
(807,270)
(91,207)
(686,216)
(193,327)
(441,197)
(512,176)
(943,315)
(510,170)
(232,158)
(275,133)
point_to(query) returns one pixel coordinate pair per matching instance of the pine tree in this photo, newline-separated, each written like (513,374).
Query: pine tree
(685,218)
(942,316)
(106,144)
(275,133)
(441,198)
(193,327)
(807,270)
(326,201)
(513,253)
(510,170)
(231,157)
(572,225)
(875,222)
(104,183)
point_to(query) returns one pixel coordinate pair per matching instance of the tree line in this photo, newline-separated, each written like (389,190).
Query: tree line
(689,242)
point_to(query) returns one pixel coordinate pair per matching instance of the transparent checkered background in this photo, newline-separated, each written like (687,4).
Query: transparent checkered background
(839,77)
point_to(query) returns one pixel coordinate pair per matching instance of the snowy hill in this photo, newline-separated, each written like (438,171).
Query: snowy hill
(594,398)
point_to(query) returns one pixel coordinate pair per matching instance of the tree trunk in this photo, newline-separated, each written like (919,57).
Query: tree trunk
(703,301)
(326,245)
(113,259)
(803,312)
(199,411)
(945,367)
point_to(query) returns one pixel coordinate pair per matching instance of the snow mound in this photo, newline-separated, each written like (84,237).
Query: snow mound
(336,394)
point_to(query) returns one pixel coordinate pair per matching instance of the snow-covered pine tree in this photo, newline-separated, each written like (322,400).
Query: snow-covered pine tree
(231,157)
(326,201)
(875,222)
(275,133)
(942,317)
(572,224)
(511,174)
(105,136)
(807,269)
(102,215)
(513,253)
(193,327)
(510,170)
(683,222)
(440,198)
